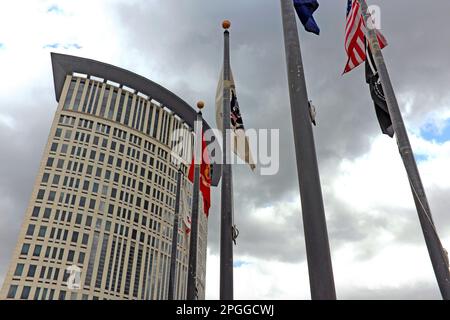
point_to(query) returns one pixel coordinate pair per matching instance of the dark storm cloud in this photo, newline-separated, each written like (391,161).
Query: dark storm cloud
(22,146)
(191,41)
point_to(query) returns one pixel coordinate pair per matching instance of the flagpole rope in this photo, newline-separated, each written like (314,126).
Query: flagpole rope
(444,252)
(234,229)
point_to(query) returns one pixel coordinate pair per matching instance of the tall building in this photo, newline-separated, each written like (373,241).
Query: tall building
(101,212)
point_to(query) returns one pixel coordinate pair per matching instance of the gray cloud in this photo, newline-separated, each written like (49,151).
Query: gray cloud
(179,45)
(416,291)
(22,147)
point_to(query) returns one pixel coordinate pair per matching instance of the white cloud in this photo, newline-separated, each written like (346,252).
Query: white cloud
(376,187)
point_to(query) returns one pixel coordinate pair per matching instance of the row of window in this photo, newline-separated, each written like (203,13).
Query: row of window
(132,153)
(118,105)
(43,294)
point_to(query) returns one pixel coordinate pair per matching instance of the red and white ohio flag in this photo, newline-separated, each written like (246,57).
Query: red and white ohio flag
(205,177)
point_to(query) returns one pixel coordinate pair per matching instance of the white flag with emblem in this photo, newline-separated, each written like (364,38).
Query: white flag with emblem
(240,142)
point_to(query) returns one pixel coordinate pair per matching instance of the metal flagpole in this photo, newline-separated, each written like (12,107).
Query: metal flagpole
(438,256)
(226,219)
(314,223)
(173,256)
(192,268)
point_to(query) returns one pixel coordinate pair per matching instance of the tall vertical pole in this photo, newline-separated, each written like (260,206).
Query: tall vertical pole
(314,223)
(226,218)
(192,268)
(173,255)
(438,257)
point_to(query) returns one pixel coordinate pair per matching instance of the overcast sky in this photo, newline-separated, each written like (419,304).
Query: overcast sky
(377,247)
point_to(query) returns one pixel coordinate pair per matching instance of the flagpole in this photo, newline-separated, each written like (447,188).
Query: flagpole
(173,256)
(438,256)
(192,268)
(226,219)
(314,222)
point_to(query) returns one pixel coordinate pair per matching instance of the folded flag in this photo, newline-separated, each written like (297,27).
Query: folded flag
(377,94)
(240,142)
(184,208)
(305,10)
(205,177)
(358,51)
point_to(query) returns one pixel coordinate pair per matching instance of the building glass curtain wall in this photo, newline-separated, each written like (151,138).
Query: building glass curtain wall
(104,199)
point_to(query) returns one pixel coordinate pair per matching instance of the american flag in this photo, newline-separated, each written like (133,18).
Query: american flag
(355,36)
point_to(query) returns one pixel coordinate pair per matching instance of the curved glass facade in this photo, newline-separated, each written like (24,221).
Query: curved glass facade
(104,201)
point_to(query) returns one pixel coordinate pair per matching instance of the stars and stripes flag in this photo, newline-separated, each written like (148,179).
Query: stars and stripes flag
(355,36)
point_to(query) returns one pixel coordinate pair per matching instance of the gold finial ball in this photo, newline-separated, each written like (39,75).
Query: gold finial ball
(226,24)
(200,105)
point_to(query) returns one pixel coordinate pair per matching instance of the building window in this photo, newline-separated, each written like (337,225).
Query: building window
(58,132)
(56,178)
(36,293)
(35,212)
(42,231)
(81,257)
(69,94)
(70,255)
(68,134)
(54,147)
(60,164)
(120,107)
(92,255)
(12,291)
(55,276)
(128,111)
(75,236)
(25,248)
(88,221)
(40,194)
(30,230)
(19,270)
(112,105)
(82,202)
(101,264)
(31,271)
(76,104)
(25,292)
(50,162)
(51,196)
(101,207)
(47,213)
(62,295)
(37,250)
(85,239)
(45,177)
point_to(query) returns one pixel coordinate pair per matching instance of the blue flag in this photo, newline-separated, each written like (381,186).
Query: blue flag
(305,10)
